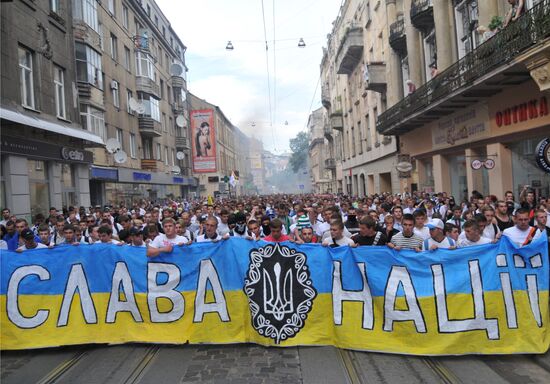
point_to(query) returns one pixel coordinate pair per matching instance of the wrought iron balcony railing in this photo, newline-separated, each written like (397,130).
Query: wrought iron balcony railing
(422,15)
(519,36)
(398,40)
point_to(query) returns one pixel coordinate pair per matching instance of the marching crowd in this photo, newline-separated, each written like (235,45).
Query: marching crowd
(418,221)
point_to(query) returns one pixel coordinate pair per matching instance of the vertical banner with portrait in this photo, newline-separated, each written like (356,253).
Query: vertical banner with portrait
(203,140)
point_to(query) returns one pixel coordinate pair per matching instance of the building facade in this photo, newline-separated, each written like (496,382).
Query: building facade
(45,152)
(212,169)
(478,107)
(354,73)
(131,80)
(320,161)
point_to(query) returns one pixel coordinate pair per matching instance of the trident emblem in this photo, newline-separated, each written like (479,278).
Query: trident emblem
(281,302)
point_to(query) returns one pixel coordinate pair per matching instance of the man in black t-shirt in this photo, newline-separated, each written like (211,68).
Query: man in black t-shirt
(368,233)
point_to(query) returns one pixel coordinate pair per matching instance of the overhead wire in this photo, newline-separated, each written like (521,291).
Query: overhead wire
(268,76)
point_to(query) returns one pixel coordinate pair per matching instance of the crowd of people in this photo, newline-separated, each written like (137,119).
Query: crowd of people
(418,221)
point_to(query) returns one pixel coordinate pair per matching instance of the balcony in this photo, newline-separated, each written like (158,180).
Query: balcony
(337,121)
(182,143)
(147,85)
(178,107)
(398,39)
(316,141)
(330,163)
(149,127)
(325,96)
(482,73)
(375,77)
(350,51)
(178,82)
(150,165)
(422,14)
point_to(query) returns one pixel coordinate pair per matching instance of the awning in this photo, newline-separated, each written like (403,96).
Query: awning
(59,128)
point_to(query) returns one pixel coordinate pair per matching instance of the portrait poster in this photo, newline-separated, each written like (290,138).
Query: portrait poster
(203,139)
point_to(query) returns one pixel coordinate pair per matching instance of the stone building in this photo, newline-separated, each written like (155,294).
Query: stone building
(224,158)
(44,152)
(131,78)
(354,73)
(476,115)
(319,152)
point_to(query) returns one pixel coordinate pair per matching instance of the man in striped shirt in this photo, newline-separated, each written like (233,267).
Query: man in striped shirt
(406,239)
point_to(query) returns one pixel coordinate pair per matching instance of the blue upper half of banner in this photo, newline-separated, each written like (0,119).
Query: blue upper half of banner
(231,259)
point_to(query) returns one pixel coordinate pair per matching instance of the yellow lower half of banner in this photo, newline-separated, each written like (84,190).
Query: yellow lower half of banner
(319,327)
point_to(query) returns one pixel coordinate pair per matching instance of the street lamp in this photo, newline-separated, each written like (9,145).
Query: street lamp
(229,46)
(301,43)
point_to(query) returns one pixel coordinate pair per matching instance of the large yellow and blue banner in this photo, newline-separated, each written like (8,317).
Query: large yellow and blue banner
(490,299)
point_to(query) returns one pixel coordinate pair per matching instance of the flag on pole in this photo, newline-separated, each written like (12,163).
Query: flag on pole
(232,179)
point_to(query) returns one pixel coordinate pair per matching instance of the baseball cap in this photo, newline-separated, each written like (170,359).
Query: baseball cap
(135,231)
(435,223)
(27,234)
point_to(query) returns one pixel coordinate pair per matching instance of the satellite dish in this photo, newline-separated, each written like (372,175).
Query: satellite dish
(176,169)
(404,166)
(140,109)
(180,155)
(120,156)
(112,145)
(180,121)
(133,104)
(176,69)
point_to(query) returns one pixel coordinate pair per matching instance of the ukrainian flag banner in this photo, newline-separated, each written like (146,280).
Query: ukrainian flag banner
(489,299)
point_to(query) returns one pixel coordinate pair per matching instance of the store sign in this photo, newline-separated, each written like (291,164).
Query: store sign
(461,127)
(44,151)
(72,154)
(104,173)
(178,180)
(139,176)
(530,110)
(542,154)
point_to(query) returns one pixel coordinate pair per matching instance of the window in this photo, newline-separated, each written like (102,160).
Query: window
(88,65)
(127,59)
(86,11)
(129,96)
(38,186)
(114,47)
(171,125)
(101,37)
(93,120)
(151,106)
(148,10)
(168,93)
(145,65)
(111,7)
(167,62)
(116,93)
(59,82)
(161,89)
(54,6)
(26,77)
(147,148)
(173,157)
(120,137)
(430,52)
(466,14)
(132,145)
(159,154)
(156,21)
(125,19)
(165,155)
(163,122)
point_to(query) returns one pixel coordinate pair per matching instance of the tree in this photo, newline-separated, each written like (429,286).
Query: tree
(300,152)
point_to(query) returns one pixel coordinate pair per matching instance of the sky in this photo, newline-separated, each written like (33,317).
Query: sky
(237,81)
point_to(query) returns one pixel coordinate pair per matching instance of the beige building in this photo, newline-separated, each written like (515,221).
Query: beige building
(320,161)
(257,165)
(131,81)
(227,151)
(354,72)
(477,108)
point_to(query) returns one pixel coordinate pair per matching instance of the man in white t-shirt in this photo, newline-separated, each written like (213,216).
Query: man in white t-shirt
(164,242)
(522,233)
(211,232)
(472,235)
(437,237)
(420,228)
(337,237)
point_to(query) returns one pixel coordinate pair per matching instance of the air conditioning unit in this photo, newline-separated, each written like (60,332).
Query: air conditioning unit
(114,84)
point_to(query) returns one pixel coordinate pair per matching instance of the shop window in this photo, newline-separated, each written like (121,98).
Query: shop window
(38,187)
(26,77)
(68,190)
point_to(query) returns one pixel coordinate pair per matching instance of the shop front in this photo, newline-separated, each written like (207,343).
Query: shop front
(114,186)
(490,147)
(37,175)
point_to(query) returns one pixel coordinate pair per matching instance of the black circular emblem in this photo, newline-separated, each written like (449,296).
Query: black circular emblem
(280,291)
(542,154)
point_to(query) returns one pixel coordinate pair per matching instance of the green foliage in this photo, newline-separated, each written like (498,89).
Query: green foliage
(496,22)
(300,149)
